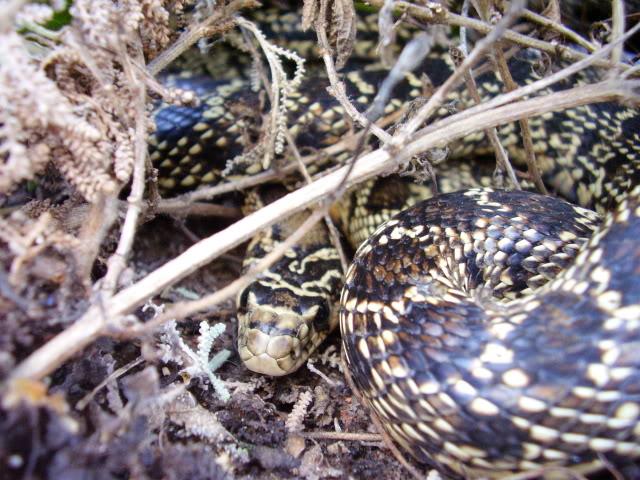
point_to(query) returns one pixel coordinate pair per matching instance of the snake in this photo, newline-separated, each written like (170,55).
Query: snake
(491,331)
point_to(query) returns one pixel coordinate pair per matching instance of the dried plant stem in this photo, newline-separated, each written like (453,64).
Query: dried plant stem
(207,193)
(342,436)
(610,467)
(531,88)
(606,91)
(333,230)
(199,209)
(482,27)
(454,80)
(466,5)
(102,214)
(558,27)
(302,168)
(84,401)
(337,87)
(631,72)
(492,134)
(525,128)
(195,32)
(499,60)
(103,318)
(313,369)
(617,30)
(118,261)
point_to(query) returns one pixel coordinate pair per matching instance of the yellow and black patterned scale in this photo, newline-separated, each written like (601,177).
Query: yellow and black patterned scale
(464,373)
(484,388)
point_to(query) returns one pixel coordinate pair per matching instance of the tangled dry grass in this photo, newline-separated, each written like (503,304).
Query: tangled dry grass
(76,106)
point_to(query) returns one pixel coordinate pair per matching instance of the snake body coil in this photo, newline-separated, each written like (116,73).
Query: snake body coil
(482,388)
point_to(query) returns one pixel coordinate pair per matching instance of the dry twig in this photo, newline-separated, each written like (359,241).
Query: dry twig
(343,436)
(502,160)
(618,20)
(337,87)
(217,24)
(558,27)
(498,58)
(480,26)
(438,98)
(525,128)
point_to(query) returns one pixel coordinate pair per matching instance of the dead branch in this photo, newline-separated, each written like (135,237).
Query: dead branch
(535,86)
(438,98)
(492,134)
(525,128)
(198,209)
(342,436)
(617,30)
(480,26)
(558,27)
(338,89)
(216,24)
(118,261)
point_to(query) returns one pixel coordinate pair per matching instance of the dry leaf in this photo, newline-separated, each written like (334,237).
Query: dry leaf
(342,30)
(309,13)
(552,11)
(340,23)
(295,446)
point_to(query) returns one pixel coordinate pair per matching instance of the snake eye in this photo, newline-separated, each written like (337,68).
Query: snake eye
(321,317)
(242,302)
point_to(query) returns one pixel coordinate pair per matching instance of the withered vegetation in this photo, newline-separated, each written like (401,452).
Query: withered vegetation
(101,374)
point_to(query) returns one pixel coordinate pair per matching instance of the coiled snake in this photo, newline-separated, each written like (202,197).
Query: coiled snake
(464,371)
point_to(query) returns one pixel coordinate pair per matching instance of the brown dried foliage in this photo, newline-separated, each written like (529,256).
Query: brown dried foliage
(340,23)
(70,103)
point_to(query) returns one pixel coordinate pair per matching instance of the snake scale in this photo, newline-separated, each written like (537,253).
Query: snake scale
(491,331)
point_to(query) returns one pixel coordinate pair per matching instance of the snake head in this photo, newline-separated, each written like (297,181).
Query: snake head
(279,330)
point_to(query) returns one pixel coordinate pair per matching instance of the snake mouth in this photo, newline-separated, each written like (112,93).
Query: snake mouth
(275,341)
